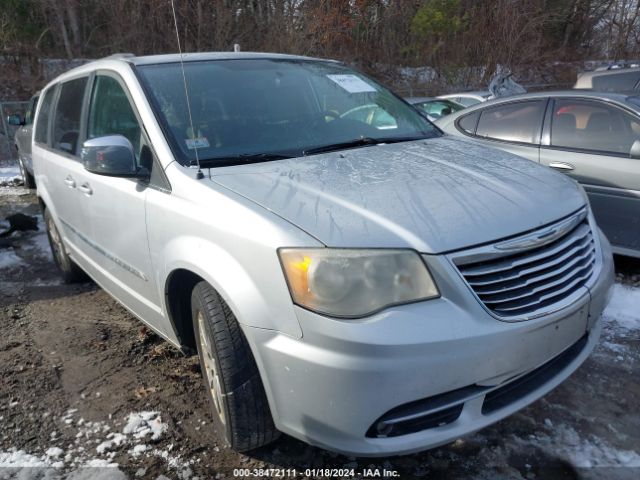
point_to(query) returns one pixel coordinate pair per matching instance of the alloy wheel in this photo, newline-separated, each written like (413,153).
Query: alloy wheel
(210,368)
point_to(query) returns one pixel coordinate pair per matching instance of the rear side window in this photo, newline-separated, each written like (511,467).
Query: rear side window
(67,118)
(588,125)
(514,122)
(468,122)
(41,135)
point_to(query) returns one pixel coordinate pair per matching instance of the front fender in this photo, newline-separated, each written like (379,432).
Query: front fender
(258,296)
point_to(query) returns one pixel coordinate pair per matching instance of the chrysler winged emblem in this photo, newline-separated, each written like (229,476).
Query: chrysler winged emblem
(540,238)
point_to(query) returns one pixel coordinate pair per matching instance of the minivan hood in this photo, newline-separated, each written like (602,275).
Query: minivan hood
(433,195)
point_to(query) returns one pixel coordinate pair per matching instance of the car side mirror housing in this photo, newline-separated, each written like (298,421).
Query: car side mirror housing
(15,120)
(111,155)
(635,150)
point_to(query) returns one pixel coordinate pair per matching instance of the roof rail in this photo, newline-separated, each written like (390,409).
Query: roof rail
(118,55)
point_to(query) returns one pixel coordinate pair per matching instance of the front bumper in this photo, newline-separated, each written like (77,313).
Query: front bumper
(332,387)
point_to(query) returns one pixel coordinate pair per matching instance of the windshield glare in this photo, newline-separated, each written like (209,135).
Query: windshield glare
(273,107)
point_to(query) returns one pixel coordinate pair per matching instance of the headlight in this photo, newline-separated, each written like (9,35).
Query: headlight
(355,283)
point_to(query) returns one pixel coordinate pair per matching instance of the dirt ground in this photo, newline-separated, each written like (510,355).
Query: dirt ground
(87,392)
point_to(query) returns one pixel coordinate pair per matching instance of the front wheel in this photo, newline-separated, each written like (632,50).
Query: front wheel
(70,272)
(240,408)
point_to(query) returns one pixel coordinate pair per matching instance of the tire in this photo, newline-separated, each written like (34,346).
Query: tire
(240,408)
(70,272)
(27,178)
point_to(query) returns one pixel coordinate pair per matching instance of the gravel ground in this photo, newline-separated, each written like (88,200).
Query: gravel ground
(87,392)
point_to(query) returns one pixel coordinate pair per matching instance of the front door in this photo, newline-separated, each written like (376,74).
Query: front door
(514,127)
(117,207)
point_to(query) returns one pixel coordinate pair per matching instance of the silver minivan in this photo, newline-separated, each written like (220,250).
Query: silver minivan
(360,282)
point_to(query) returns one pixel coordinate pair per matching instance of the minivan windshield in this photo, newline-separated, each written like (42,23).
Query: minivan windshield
(268,109)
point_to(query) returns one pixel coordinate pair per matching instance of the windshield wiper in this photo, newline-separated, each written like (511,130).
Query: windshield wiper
(240,159)
(359,142)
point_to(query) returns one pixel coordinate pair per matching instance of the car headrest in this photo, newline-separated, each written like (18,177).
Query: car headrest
(565,123)
(599,122)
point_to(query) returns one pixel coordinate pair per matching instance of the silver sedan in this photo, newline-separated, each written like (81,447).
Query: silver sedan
(592,137)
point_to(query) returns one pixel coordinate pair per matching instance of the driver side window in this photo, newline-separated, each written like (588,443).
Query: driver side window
(111,113)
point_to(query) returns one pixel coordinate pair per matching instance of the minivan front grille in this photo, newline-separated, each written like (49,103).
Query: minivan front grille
(526,282)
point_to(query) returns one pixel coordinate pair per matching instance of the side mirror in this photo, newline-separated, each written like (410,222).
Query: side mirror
(15,120)
(111,155)
(635,150)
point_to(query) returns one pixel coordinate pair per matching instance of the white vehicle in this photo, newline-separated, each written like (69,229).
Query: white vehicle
(347,274)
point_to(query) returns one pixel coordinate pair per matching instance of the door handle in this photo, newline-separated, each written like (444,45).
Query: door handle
(561,166)
(85,188)
(71,183)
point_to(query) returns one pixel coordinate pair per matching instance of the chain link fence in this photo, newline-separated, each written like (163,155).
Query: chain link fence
(7,149)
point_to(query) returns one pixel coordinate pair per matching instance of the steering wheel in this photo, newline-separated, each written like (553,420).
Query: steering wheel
(331,114)
(320,118)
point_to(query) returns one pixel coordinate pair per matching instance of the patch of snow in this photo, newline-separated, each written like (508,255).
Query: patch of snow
(39,244)
(54,452)
(138,450)
(96,473)
(20,459)
(89,429)
(13,191)
(614,347)
(624,308)
(9,259)
(114,440)
(584,452)
(174,461)
(145,423)
(100,463)
(10,175)
(77,461)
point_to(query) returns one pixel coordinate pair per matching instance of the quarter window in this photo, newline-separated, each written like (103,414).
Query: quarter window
(41,135)
(514,122)
(587,125)
(66,121)
(111,113)
(468,122)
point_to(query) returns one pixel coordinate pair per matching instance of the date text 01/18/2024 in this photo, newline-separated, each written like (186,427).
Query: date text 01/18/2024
(315,472)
